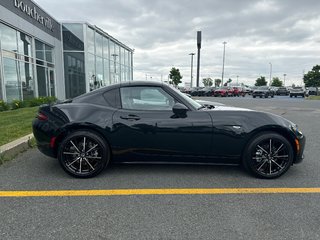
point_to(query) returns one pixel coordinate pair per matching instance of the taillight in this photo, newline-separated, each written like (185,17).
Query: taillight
(42,117)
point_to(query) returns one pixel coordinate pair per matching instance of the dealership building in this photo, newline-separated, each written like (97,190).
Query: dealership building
(40,56)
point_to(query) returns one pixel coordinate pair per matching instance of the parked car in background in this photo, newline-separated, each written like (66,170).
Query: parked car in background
(223,91)
(297,91)
(263,91)
(206,91)
(312,91)
(282,91)
(194,91)
(238,91)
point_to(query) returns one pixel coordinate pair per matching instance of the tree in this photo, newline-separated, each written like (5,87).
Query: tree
(312,78)
(217,82)
(175,76)
(207,82)
(261,81)
(226,83)
(276,82)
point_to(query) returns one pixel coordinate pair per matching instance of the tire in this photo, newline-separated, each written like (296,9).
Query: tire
(291,96)
(254,96)
(83,154)
(258,160)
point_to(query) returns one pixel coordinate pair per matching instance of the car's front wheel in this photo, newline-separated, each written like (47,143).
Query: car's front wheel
(83,154)
(268,155)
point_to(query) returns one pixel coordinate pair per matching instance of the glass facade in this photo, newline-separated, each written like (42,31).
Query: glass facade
(26,65)
(74,60)
(101,60)
(88,58)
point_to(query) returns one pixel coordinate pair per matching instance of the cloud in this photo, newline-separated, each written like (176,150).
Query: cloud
(284,32)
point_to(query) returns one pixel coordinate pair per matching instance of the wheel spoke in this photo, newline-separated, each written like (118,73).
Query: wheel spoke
(75,146)
(68,165)
(84,144)
(80,165)
(278,149)
(277,164)
(270,146)
(261,165)
(92,148)
(70,153)
(262,149)
(282,156)
(270,169)
(93,157)
(89,163)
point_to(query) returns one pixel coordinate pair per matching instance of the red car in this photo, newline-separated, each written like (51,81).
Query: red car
(223,92)
(238,91)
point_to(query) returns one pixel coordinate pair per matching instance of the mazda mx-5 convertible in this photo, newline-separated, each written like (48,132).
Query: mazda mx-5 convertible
(150,122)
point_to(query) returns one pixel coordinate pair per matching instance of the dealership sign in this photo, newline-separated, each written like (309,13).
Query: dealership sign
(33,12)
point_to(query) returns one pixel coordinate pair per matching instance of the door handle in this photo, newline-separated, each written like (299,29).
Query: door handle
(130,117)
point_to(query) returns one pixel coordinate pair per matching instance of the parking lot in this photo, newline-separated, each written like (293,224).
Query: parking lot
(219,215)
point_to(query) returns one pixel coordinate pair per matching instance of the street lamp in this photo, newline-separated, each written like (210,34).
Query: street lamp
(224,54)
(114,62)
(237,79)
(270,73)
(284,79)
(192,54)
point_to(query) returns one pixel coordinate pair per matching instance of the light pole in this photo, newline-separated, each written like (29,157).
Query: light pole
(270,73)
(284,79)
(192,54)
(237,79)
(224,54)
(114,62)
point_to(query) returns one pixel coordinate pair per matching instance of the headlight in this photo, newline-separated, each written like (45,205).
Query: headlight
(294,128)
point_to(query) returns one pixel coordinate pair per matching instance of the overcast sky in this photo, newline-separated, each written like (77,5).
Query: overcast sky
(285,33)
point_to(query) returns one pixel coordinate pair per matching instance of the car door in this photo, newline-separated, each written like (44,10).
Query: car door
(146,129)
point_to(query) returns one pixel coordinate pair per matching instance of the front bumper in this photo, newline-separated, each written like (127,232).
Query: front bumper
(301,142)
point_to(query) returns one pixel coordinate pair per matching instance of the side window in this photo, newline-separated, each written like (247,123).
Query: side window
(146,98)
(113,98)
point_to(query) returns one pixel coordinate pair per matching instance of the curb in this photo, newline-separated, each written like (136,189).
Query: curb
(12,149)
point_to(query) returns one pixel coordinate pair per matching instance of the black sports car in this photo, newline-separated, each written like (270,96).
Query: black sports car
(149,122)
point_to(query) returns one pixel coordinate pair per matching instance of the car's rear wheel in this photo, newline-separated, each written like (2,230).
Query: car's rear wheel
(83,154)
(268,155)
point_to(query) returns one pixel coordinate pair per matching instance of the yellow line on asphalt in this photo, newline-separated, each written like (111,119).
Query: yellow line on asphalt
(176,191)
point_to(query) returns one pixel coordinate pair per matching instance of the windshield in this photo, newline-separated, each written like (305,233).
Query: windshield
(188,99)
(263,88)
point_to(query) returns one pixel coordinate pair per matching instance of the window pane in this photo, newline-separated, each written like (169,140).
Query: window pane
(11,82)
(106,48)
(49,53)
(99,43)
(39,50)
(42,81)
(73,37)
(99,73)
(74,74)
(27,80)
(24,44)
(106,71)
(146,98)
(91,71)
(8,38)
(90,40)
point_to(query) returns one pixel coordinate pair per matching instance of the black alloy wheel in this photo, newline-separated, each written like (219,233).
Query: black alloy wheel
(269,155)
(83,154)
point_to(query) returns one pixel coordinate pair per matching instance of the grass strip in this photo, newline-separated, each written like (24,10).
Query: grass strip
(16,123)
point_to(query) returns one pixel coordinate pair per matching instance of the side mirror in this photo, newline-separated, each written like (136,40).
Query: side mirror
(179,110)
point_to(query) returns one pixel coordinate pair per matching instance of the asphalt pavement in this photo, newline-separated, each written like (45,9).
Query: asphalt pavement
(201,216)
